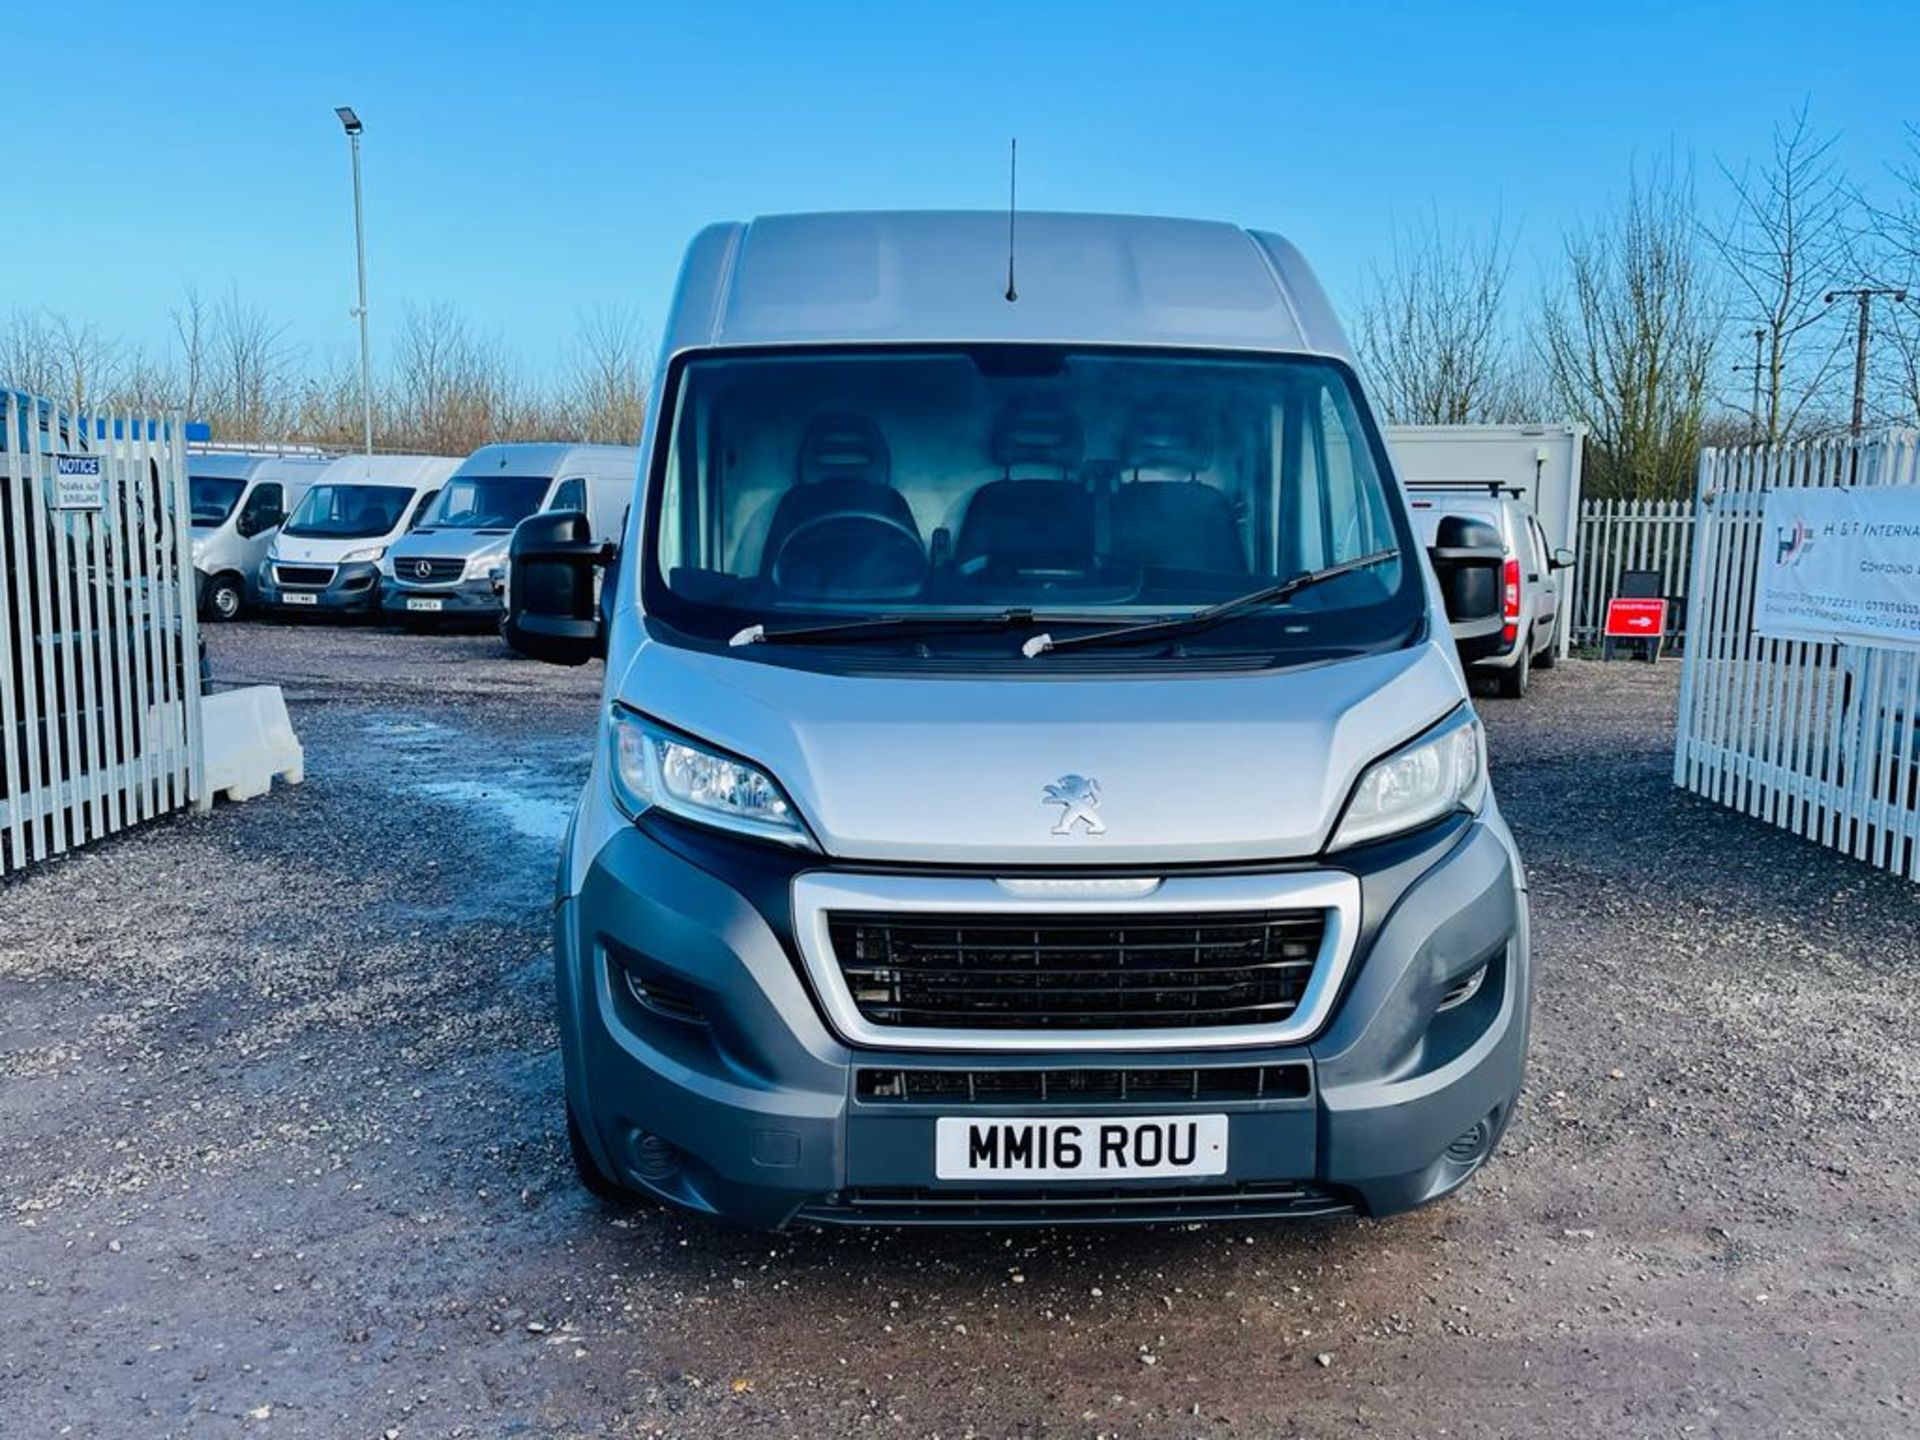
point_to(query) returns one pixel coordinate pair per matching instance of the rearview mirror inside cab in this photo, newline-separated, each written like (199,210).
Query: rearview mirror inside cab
(1467,557)
(552,613)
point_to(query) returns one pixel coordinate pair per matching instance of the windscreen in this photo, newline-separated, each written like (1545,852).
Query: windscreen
(214,497)
(1104,485)
(349,512)
(486,502)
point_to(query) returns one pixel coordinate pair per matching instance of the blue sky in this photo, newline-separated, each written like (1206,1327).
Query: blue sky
(526,163)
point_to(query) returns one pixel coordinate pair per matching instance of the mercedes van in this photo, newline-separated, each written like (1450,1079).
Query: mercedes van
(327,556)
(240,501)
(1036,781)
(453,563)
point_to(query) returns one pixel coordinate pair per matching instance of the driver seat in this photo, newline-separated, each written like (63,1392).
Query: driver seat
(843,473)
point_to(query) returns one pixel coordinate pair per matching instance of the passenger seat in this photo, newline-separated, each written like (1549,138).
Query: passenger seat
(1031,522)
(1179,523)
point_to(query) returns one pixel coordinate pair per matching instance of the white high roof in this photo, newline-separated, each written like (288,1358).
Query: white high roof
(904,276)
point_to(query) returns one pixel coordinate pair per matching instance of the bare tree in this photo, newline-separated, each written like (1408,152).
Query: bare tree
(608,377)
(1629,339)
(53,355)
(1889,256)
(29,354)
(453,391)
(1432,333)
(250,372)
(326,405)
(190,331)
(1785,245)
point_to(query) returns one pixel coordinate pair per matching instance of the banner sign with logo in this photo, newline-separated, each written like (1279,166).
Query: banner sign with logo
(1841,564)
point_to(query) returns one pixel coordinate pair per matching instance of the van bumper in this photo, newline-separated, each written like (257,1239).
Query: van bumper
(718,1087)
(472,598)
(354,588)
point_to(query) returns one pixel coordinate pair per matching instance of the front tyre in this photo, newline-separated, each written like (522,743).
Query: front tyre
(225,598)
(602,1186)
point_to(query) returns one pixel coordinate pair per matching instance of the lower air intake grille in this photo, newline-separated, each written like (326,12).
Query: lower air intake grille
(1080,1205)
(316,576)
(1088,972)
(1155,1084)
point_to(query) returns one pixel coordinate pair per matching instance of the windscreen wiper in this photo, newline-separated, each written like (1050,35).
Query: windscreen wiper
(1211,615)
(884,627)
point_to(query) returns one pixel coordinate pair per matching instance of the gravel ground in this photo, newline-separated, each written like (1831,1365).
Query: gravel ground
(279,1151)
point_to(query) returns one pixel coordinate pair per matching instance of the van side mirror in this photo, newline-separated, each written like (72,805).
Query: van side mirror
(1468,558)
(1562,559)
(256,520)
(552,613)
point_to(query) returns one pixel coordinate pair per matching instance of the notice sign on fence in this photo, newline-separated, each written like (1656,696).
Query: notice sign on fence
(1841,564)
(76,483)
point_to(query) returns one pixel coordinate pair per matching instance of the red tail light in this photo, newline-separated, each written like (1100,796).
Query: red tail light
(1512,610)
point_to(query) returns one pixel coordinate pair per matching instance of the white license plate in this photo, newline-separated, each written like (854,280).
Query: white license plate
(1131,1147)
(293,598)
(413,604)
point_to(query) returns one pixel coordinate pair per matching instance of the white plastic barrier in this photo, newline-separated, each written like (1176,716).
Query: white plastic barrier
(249,740)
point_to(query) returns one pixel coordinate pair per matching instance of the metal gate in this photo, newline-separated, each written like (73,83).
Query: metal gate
(99,649)
(1622,535)
(1820,738)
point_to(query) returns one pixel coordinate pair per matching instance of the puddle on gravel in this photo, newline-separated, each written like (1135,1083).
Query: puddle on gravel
(512,798)
(529,799)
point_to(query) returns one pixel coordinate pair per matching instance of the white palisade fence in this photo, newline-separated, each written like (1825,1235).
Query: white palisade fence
(1820,738)
(99,649)
(1621,535)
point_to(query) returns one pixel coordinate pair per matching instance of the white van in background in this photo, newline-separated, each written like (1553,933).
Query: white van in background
(453,563)
(240,500)
(327,555)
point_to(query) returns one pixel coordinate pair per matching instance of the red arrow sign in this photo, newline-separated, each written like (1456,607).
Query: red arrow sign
(1630,619)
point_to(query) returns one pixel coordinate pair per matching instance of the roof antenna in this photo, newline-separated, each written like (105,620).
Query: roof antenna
(1013,176)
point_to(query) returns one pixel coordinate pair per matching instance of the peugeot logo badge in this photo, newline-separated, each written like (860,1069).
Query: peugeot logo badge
(423,568)
(1080,797)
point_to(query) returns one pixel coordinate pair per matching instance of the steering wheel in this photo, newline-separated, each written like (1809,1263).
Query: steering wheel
(895,551)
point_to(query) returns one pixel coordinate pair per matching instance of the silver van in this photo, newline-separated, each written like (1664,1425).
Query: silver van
(453,563)
(240,500)
(1529,579)
(1036,781)
(327,556)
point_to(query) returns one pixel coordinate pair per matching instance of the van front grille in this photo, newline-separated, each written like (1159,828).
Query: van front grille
(990,971)
(314,577)
(426,570)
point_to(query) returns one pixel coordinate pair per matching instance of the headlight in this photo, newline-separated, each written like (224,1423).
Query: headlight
(371,552)
(653,766)
(1443,771)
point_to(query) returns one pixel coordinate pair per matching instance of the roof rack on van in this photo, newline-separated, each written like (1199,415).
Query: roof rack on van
(1492,487)
(258,447)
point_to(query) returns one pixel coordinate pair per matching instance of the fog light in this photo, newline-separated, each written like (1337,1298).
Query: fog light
(1471,1147)
(654,1160)
(1462,990)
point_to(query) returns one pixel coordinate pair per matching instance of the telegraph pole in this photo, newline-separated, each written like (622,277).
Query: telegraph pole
(1864,296)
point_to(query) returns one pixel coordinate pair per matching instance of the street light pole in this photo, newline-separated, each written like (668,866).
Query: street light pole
(1864,294)
(350,122)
